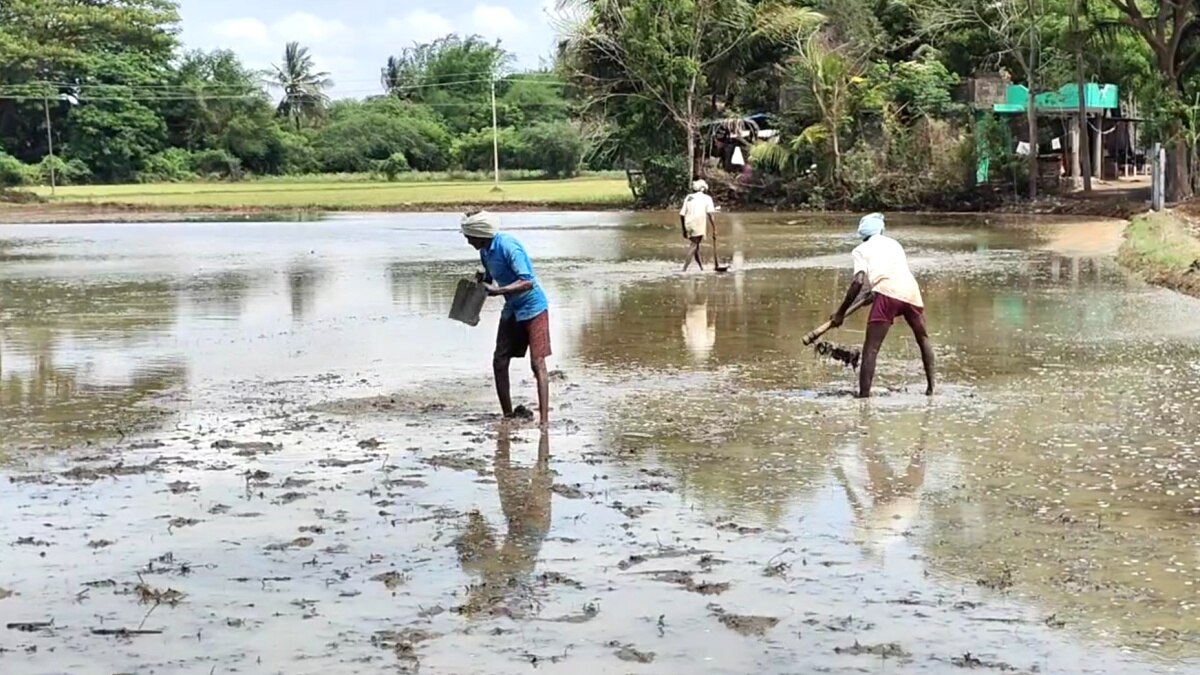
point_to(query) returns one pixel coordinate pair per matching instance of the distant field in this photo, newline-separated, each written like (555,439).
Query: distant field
(342,195)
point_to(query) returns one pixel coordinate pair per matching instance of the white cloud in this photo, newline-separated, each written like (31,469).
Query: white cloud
(247,30)
(306,28)
(418,26)
(495,21)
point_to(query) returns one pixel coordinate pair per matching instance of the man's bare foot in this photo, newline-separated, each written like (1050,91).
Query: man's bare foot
(520,413)
(929,391)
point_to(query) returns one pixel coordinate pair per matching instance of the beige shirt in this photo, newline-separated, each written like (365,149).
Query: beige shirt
(696,208)
(882,259)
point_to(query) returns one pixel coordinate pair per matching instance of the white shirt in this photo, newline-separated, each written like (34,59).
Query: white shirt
(882,259)
(696,208)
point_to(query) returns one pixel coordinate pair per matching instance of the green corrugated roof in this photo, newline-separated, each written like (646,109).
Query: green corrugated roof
(1066,99)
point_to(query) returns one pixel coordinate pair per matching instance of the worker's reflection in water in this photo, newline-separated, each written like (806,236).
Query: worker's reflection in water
(887,503)
(503,570)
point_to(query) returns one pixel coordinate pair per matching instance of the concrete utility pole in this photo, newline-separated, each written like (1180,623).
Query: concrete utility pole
(495,138)
(49,143)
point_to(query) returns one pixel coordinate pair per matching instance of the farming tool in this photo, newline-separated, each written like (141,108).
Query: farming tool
(847,355)
(721,269)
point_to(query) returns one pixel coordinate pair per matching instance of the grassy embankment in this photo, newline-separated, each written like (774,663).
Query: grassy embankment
(1164,249)
(337,193)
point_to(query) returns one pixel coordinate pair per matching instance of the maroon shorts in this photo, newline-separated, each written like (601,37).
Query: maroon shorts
(515,337)
(885,309)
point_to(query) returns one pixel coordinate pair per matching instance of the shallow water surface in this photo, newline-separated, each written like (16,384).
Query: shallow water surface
(267,442)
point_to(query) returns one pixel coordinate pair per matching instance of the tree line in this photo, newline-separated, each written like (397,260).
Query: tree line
(864,90)
(108,87)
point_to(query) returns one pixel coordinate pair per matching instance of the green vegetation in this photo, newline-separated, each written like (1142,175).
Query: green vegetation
(310,193)
(1163,248)
(861,94)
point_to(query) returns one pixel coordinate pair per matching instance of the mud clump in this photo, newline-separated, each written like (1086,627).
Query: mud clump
(247,449)
(888,650)
(148,595)
(744,624)
(687,581)
(392,580)
(631,654)
(554,578)
(568,491)
(93,474)
(299,542)
(181,486)
(969,660)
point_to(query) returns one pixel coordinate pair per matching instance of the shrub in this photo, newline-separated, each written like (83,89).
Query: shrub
(473,152)
(361,134)
(665,180)
(14,172)
(66,172)
(394,166)
(556,148)
(169,166)
(217,163)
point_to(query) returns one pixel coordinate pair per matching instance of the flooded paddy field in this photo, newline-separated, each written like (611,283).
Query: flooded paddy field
(262,448)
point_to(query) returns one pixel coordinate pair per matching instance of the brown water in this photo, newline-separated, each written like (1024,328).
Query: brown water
(1041,513)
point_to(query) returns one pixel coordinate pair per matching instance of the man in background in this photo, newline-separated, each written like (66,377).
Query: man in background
(525,320)
(881,267)
(696,215)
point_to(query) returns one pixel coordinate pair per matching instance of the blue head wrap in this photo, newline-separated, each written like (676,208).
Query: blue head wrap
(870,225)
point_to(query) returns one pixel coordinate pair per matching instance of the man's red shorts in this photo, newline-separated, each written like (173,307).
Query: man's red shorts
(885,309)
(514,337)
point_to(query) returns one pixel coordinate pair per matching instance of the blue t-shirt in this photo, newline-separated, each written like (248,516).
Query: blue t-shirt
(506,261)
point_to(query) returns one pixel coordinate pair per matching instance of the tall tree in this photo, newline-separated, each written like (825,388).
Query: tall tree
(658,54)
(1164,25)
(1021,31)
(302,86)
(452,74)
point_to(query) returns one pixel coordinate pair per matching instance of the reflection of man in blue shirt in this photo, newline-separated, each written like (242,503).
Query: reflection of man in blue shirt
(525,321)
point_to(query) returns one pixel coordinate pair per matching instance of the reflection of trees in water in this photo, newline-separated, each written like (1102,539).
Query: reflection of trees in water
(503,569)
(418,287)
(45,403)
(303,280)
(222,294)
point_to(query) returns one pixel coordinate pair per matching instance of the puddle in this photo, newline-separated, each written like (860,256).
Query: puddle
(262,448)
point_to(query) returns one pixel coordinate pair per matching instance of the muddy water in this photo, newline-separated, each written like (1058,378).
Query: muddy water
(265,446)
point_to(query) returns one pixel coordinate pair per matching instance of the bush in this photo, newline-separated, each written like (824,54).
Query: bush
(172,165)
(13,172)
(394,166)
(299,155)
(217,163)
(555,148)
(66,172)
(665,180)
(474,151)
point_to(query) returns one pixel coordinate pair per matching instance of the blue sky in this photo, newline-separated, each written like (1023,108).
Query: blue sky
(351,39)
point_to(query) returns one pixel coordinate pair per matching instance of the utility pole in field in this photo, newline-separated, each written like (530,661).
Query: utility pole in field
(49,143)
(495,138)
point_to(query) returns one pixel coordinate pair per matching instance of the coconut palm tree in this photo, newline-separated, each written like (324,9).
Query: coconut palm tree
(303,89)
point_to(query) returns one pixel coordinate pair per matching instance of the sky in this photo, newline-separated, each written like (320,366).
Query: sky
(351,39)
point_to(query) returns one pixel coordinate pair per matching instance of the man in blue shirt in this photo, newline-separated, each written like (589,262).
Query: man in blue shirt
(525,321)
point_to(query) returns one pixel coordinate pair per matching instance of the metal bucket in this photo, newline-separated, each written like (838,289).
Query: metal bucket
(468,302)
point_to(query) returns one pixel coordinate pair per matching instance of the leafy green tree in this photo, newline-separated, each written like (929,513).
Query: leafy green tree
(359,135)
(453,75)
(473,151)
(303,87)
(555,148)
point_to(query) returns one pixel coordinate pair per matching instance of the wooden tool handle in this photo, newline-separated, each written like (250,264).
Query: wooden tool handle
(859,302)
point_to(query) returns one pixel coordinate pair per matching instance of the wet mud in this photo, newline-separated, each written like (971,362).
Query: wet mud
(312,477)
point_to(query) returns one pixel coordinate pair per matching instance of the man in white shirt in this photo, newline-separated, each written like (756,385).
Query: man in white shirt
(881,267)
(694,218)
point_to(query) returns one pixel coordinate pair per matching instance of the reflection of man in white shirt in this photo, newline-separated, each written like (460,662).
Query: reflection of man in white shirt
(881,267)
(695,217)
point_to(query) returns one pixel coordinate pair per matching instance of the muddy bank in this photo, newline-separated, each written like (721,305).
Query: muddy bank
(1164,249)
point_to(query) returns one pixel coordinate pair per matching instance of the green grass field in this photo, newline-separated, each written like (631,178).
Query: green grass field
(344,195)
